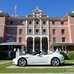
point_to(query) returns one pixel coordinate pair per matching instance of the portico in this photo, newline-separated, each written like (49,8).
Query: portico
(35,44)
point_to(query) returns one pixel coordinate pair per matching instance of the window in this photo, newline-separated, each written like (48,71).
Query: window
(11,31)
(62,22)
(30,31)
(63,39)
(53,22)
(53,31)
(30,43)
(12,22)
(20,31)
(62,31)
(20,22)
(54,39)
(20,39)
(44,22)
(43,42)
(72,16)
(11,39)
(44,30)
(37,30)
(30,22)
(1,15)
(37,22)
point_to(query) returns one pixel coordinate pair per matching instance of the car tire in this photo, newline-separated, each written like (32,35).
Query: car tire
(22,62)
(55,62)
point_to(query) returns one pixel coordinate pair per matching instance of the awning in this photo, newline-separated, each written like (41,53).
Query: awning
(63,44)
(11,43)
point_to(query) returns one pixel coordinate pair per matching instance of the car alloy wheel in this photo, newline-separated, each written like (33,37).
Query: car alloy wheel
(22,62)
(55,62)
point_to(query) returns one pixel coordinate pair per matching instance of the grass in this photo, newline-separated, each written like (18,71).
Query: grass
(3,69)
(1,61)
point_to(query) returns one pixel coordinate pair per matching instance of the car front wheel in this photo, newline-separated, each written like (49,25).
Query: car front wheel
(22,62)
(55,62)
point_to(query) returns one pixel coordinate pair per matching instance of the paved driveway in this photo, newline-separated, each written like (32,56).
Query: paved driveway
(3,62)
(33,66)
(37,73)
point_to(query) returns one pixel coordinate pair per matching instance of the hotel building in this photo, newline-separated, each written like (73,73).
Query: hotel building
(36,32)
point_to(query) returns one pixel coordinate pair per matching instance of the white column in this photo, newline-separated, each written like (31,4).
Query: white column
(26,45)
(40,26)
(33,26)
(41,44)
(22,48)
(17,52)
(26,26)
(62,48)
(65,50)
(48,46)
(47,27)
(33,45)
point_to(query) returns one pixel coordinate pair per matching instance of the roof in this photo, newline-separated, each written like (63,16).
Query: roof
(70,14)
(4,14)
(32,18)
(10,43)
(37,10)
(63,44)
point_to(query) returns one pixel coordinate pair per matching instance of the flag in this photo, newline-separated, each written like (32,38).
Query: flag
(14,10)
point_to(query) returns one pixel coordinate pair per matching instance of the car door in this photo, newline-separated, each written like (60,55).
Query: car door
(35,59)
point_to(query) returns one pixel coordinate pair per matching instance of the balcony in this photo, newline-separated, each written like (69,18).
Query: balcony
(44,33)
(29,33)
(14,25)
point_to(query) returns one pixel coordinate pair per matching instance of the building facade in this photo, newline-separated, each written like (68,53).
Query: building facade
(36,32)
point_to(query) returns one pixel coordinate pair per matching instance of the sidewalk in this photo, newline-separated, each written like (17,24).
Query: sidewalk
(38,73)
(5,62)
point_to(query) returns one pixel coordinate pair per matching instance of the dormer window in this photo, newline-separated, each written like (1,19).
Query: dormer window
(1,16)
(30,22)
(72,16)
(44,22)
(37,22)
(12,22)
(62,22)
(37,11)
(53,22)
(20,22)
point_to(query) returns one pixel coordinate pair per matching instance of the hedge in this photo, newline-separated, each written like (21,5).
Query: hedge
(4,55)
(71,54)
(68,55)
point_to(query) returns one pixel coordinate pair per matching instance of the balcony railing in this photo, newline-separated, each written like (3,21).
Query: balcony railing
(37,33)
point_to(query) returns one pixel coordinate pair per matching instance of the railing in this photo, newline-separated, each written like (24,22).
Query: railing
(37,33)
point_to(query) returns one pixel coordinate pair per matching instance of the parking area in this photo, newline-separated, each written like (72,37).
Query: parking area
(41,66)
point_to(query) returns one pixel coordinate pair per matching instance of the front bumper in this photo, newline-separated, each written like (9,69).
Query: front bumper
(14,61)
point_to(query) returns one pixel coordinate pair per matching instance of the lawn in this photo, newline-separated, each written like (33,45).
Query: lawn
(1,61)
(4,69)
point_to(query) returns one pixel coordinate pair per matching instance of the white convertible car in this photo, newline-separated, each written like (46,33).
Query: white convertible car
(53,59)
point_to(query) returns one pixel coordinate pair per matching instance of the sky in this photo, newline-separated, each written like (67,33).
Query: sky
(53,8)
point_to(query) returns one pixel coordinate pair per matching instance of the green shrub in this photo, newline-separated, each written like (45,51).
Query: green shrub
(64,54)
(3,55)
(71,54)
(13,54)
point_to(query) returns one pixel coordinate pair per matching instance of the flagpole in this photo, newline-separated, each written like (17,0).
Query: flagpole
(15,13)
(15,10)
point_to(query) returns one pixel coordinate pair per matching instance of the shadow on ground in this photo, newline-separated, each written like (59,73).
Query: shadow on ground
(62,65)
